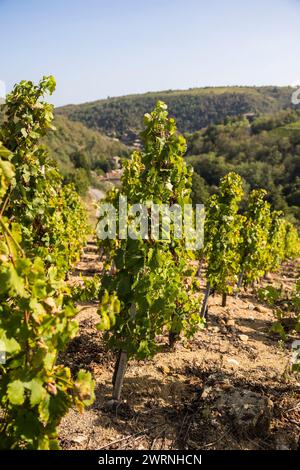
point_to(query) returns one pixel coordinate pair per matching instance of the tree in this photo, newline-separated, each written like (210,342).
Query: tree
(80,179)
(80,160)
(200,192)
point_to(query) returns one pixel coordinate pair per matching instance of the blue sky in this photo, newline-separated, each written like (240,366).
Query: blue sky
(100,48)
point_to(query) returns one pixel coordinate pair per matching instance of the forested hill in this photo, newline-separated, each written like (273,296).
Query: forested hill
(193,109)
(80,151)
(73,139)
(264,151)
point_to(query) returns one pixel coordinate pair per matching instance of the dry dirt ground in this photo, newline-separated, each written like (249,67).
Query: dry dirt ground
(228,388)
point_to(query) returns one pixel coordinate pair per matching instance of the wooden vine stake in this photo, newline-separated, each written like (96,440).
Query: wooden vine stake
(119,374)
(200,267)
(205,301)
(239,283)
(224,299)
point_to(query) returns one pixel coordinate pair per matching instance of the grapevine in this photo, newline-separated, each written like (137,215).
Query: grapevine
(42,231)
(52,220)
(36,322)
(254,237)
(222,237)
(149,276)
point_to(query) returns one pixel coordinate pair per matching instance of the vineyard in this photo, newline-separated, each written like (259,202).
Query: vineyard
(140,342)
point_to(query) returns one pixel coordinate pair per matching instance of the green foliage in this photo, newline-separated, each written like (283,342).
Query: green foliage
(80,160)
(51,217)
(286,308)
(150,276)
(200,190)
(254,236)
(35,324)
(278,329)
(274,121)
(291,241)
(193,109)
(276,242)
(42,229)
(81,180)
(265,155)
(67,230)
(262,148)
(73,146)
(270,295)
(110,307)
(222,234)
(88,290)
(6,170)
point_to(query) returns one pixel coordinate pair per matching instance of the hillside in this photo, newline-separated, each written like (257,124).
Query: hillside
(265,152)
(123,333)
(73,145)
(193,109)
(73,137)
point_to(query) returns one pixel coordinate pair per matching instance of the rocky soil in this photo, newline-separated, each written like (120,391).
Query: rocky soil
(228,388)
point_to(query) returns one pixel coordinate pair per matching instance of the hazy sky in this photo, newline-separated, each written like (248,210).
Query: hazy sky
(100,48)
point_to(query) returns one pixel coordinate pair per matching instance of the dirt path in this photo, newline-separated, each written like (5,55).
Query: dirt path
(199,396)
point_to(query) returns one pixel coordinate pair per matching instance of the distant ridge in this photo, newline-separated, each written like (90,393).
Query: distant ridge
(193,109)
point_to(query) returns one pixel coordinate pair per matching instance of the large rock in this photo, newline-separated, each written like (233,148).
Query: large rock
(249,412)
